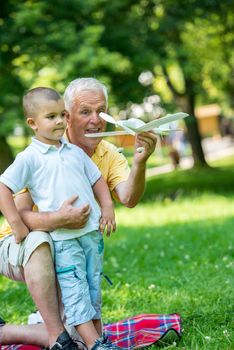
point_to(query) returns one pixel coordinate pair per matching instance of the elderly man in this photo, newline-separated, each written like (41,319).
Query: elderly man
(32,260)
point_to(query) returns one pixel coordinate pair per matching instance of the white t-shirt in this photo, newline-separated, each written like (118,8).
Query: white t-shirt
(52,175)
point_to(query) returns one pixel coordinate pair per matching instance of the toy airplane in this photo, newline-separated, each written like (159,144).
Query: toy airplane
(134,126)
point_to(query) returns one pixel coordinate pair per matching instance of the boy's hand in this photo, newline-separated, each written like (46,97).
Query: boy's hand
(20,231)
(107,220)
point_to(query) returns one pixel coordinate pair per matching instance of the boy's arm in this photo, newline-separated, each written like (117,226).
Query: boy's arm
(8,208)
(102,193)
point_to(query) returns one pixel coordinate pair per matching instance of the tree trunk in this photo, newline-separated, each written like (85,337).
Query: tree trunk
(185,101)
(187,105)
(6,157)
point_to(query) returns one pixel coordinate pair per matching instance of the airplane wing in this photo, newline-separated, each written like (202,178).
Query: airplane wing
(107,133)
(108,118)
(164,120)
(135,126)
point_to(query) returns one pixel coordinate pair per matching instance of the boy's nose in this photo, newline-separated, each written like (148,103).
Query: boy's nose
(59,120)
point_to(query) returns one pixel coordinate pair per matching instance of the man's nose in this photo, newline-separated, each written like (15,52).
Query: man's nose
(95,117)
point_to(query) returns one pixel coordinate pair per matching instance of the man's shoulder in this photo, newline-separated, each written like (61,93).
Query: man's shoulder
(107,146)
(107,154)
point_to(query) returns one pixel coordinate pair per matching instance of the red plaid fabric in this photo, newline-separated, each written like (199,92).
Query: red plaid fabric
(142,330)
(20,347)
(132,333)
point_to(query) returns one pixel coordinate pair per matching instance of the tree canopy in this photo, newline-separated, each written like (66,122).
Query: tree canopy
(185,46)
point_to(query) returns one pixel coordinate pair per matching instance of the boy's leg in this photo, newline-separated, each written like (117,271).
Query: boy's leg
(32,262)
(98,326)
(70,262)
(88,333)
(93,245)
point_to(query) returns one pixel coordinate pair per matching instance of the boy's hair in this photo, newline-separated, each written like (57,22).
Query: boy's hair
(31,97)
(80,85)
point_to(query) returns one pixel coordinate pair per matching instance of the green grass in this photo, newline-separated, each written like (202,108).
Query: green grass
(172,253)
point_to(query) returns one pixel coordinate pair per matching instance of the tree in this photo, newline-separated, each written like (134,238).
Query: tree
(153,34)
(52,42)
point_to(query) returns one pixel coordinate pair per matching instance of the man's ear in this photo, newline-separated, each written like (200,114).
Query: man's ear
(68,119)
(32,124)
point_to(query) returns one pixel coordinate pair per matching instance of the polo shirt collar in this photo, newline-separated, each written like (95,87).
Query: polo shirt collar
(100,150)
(44,147)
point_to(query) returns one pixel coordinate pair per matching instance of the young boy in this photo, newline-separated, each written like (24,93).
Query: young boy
(53,170)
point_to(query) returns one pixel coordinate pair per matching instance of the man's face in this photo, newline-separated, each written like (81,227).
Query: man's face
(84,118)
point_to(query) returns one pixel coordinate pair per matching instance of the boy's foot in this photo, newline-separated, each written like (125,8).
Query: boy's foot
(104,343)
(64,342)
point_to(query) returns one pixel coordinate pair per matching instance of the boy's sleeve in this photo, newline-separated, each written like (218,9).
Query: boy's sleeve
(16,176)
(91,170)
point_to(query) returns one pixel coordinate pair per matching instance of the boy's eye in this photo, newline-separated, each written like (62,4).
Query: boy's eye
(63,115)
(52,116)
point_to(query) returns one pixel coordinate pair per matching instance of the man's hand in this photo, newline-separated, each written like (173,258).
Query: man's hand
(20,231)
(147,141)
(107,220)
(71,217)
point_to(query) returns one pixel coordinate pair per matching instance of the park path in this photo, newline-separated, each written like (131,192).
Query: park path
(213,148)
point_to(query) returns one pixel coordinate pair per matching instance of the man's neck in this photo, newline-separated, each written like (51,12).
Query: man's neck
(88,150)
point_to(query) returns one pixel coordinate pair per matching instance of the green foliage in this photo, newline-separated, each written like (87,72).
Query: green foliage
(181,183)
(187,45)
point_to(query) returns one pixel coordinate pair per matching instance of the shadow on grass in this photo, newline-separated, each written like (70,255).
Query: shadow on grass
(187,182)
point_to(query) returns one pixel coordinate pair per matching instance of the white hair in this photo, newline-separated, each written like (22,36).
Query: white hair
(80,85)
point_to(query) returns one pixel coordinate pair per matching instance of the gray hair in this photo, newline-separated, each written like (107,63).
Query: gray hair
(80,85)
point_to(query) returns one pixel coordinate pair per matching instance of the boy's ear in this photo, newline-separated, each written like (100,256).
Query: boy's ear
(32,124)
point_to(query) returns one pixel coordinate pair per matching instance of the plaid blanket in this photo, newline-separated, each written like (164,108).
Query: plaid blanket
(131,333)
(142,330)
(20,347)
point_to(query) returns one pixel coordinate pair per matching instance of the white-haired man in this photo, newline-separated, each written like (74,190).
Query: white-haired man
(84,99)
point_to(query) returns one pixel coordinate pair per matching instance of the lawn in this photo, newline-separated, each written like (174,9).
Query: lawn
(172,253)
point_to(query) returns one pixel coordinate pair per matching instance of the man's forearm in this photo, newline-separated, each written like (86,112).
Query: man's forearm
(67,216)
(131,191)
(41,221)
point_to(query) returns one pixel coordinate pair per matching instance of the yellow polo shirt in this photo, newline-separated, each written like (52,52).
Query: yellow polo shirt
(112,164)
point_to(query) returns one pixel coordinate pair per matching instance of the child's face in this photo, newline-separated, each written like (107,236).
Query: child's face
(49,122)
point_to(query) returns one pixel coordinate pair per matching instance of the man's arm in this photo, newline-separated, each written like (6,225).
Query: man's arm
(130,192)
(66,217)
(9,210)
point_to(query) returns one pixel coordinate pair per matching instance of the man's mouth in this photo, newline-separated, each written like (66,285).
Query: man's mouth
(92,131)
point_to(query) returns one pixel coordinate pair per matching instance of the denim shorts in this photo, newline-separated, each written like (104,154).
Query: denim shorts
(78,264)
